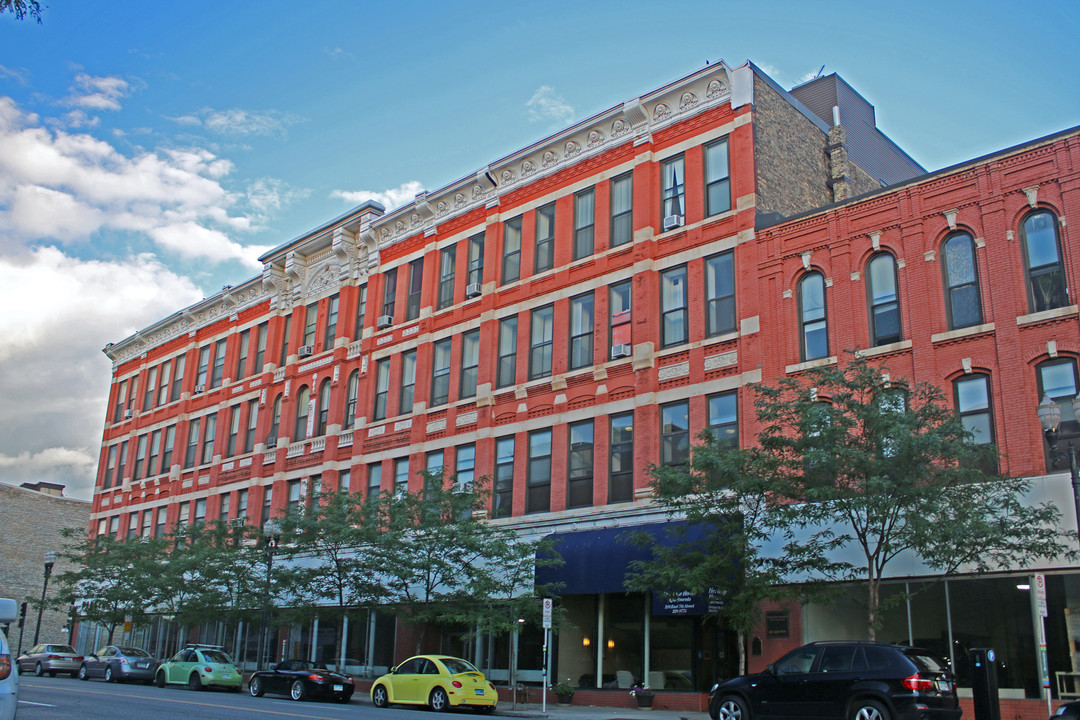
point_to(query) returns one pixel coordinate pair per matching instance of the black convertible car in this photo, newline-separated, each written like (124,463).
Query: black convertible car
(301,679)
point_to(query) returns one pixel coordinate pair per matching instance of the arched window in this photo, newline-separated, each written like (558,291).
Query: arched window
(275,423)
(962,303)
(350,399)
(324,408)
(1058,380)
(813,328)
(303,403)
(1042,258)
(883,300)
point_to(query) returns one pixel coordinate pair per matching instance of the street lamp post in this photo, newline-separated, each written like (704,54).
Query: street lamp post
(50,560)
(271,537)
(1050,420)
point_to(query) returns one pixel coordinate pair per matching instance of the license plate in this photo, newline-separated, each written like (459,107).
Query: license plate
(339,688)
(479,691)
(140,665)
(943,685)
(225,676)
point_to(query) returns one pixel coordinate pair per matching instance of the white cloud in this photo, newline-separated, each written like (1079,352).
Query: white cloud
(390,199)
(97,93)
(236,121)
(54,379)
(546,105)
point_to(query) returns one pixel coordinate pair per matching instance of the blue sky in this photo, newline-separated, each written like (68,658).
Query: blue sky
(149,152)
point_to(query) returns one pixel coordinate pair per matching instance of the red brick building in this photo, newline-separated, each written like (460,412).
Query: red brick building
(569,314)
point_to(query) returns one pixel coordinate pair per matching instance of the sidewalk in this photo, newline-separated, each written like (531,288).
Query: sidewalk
(594,712)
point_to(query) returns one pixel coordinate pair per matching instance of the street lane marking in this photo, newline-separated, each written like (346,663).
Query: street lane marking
(27,702)
(181,702)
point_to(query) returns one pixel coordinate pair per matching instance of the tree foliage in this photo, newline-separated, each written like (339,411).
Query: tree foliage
(21,8)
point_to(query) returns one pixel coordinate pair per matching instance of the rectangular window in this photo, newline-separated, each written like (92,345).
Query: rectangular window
(470,363)
(344,479)
(507,369)
(133,524)
(673,306)
(724,418)
(511,264)
(121,468)
(476,259)
(208,438)
(204,368)
(234,431)
(178,378)
(440,372)
(401,477)
(675,433)
(121,401)
(147,523)
(673,193)
(416,287)
(542,326)
(192,442)
(184,515)
(408,382)
(581,331)
(167,450)
(219,363)
(973,406)
(110,469)
(114,526)
(434,465)
(151,388)
(134,393)
(374,484)
(447,260)
(311,322)
(140,458)
(502,502)
(579,472)
(260,348)
(717,178)
(619,303)
(389,293)
(154,455)
(223,507)
(382,388)
(286,331)
(163,386)
(200,512)
(538,495)
(330,330)
(584,223)
(242,505)
(545,238)
(719,294)
(292,504)
(465,466)
(252,422)
(162,518)
(621,465)
(622,209)
(361,309)
(242,355)
(268,501)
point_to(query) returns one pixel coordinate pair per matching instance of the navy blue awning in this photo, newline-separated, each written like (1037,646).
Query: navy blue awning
(596,561)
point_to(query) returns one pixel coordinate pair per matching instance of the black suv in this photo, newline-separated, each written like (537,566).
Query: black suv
(842,681)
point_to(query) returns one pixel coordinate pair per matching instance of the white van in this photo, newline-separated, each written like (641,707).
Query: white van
(9,679)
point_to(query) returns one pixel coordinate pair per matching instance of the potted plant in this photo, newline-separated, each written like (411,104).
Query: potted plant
(564,691)
(643,695)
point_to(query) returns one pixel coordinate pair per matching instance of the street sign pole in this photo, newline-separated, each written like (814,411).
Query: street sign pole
(1038,587)
(547,607)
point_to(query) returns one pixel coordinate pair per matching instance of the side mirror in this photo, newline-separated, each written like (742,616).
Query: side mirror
(94,655)
(771,668)
(274,666)
(394,669)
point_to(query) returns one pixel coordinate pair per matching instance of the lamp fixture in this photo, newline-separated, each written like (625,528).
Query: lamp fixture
(610,644)
(585,642)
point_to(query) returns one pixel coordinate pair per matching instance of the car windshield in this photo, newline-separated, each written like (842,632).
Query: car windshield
(216,656)
(60,648)
(456,666)
(926,662)
(134,652)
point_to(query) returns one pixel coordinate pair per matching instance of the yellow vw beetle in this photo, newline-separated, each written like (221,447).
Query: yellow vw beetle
(438,681)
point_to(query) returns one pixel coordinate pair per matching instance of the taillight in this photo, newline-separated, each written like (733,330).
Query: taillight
(208,669)
(918,684)
(124,661)
(78,659)
(457,684)
(315,678)
(5,666)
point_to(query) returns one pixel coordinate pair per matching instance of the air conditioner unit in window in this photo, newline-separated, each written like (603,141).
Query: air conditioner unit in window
(128,414)
(199,388)
(271,443)
(673,221)
(304,350)
(384,321)
(620,351)
(473,290)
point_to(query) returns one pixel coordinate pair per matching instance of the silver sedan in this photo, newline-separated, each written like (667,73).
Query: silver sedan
(51,659)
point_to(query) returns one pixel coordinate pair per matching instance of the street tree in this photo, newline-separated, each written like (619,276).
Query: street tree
(21,8)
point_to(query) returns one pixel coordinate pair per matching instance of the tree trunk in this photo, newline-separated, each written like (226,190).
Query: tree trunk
(872,607)
(741,635)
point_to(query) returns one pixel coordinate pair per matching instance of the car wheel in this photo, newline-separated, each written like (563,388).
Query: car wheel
(255,687)
(38,671)
(159,679)
(298,691)
(732,707)
(194,682)
(108,675)
(379,697)
(868,710)
(439,700)
(82,673)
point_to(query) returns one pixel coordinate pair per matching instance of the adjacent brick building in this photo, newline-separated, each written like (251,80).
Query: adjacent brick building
(573,312)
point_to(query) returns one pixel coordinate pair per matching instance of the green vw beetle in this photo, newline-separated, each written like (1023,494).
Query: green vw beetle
(199,666)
